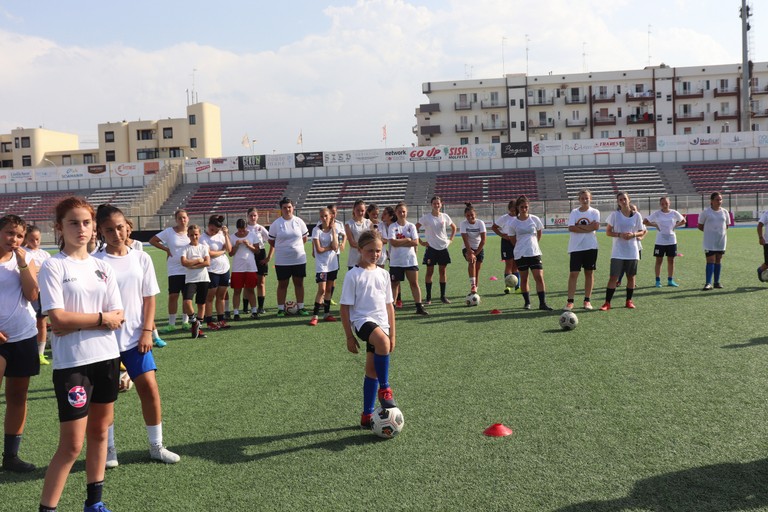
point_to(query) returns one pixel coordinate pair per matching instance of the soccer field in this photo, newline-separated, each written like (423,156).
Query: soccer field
(661,408)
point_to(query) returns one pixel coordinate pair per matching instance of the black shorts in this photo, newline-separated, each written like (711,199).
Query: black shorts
(218,280)
(365,334)
(398,273)
(77,387)
(628,267)
(285,272)
(198,291)
(670,251)
(38,308)
(480,257)
(21,358)
(175,284)
(529,263)
(436,257)
(765,254)
(713,253)
(325,277)
(262,270)
(507,250)
(586,259)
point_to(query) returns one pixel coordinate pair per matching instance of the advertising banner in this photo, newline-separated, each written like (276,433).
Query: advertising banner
(251,162)
(313,159)
(760,139)
(20,175)
(124,170)
(672,142)
(282,161)
(197,166)
(75,172)
(703,141)
(97,169)
(151,168)
(736,140)
(593,146)
(516,149)
(547,148)
(46,174)
(225,164)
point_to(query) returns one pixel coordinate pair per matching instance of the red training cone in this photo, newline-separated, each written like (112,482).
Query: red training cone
(495,311)
(497,430)
(494,278)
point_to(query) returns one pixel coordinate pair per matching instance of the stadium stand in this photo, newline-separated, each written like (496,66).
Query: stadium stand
(729,177)
(123,198)
(604,182)
(479,187)
(345,191)
(234,197)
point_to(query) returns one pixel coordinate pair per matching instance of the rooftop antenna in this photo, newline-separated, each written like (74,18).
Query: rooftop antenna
(194,92)
(584,55)
(527,40)
(744,13)
(649,44)
(503,70)
(468,71)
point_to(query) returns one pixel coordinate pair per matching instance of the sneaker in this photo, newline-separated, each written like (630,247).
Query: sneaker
(200,334)
(759,275)
(43,360)
(159,452)
(445,300)
(112,457)
(17,465)
(588,305)
(398,304)
(365,421)
(213,326)
(618,283)
(545,307)
(422,312)
(96,507)
(227,315)
(262,311)
(473,289)
(507,290)
(385,398)
(334,303)
(428,302)
(671,282)
(707,287)
(568,307)
(718,285)
(186,325)
(255,315)
(169,328)
(527,305)
(518,290)
(281,312)
(329,318)
(303,312)
(158,342)
(195,329)
(224,325)
(630,305)
(605,307)
(314,321)
(658,283)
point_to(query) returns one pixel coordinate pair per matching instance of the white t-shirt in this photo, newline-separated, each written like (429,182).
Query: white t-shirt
(17,316)
(135,279)
(325,261)
(764,219)
(219,264)
(582,241)
(473,232)
(356,228)
(402,256)
(136,245)
(176,243)
(665,234)
(80,286)
(436,229)
(367,292)
(502,222)
(196,275)
(262,235)
(715,228)
(526,236)
(620,223)
(384,231)
(38,256)
(288,237)
(243,260)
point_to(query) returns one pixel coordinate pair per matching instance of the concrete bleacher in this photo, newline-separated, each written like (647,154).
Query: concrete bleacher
(481,187)
(608,181)
(343,192)
(729,177)
(123,198)
(235,197)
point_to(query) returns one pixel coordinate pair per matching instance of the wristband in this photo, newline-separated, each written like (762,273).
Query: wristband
(147,330)
(101,319)
(25,267)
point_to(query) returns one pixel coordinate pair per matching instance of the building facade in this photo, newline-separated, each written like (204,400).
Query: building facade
(658,100)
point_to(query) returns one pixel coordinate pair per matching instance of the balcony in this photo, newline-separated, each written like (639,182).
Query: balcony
(604,120)
(760,113)
(639,96)
(576,122)
(463,128)
(720,116)
(760,90)
(430,130)
(429,108)
(463,106)
(548,123)
(575,100)
(535,102)
(688,93)
(603,98)
(645,118)
(729,91)
(689,117)
(494,126)
(491,104)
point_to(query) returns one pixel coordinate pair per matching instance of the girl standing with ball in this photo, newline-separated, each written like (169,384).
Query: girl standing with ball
(714,221)
(473,234)
(525,232)
(288,234)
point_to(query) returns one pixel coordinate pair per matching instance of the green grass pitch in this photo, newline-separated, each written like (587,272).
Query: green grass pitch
(661,408)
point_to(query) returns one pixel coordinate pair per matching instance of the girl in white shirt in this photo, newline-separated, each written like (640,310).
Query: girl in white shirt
(665,220)
(366,310)
(436,225)
(714,221)
(173,241)
(525,232)
(19,359)
(196,261)
(136,245)
(32,244)
(288,234)
(263,256)
(325,242)
(583,223)
(354,227)
(625,226)
(507,248)
(473,234)
(403,263)
(216,237)
(138,287)
(82,299)
(244,245)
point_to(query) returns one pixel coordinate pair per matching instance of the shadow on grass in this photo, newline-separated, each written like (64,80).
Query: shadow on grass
(715,488)
(754,342)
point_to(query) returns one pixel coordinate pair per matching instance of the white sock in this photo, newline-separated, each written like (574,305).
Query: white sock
(185,318)
(472,281)
(254,310)
(300,305)
(236,312)
(281,307)
(155,434)
(111,436)
(172,319)
(155,334)
(41,348)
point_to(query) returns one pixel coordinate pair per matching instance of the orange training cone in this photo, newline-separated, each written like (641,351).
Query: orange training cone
(497,430)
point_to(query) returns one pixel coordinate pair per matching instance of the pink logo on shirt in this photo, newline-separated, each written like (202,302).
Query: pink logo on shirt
(77,397)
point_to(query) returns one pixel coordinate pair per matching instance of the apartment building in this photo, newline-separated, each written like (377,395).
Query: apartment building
(657,100)
(198,135)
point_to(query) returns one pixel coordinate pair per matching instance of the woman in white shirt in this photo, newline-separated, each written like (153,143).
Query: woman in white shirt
(436,225)
(82,299)
(665,220)
(403,263)
(263,256)
(173,241)
(216,237)
(714,221)
(625,226)
(32,244)
(473,234)
(525,232)
(353,228)
(243,246)
(288,234)
(325,242)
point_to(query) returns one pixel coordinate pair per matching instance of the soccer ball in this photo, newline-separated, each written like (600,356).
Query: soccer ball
(568,320)
(473,299)
(764,276)
(511,281)
(291,308)
(387,423)
(125,383)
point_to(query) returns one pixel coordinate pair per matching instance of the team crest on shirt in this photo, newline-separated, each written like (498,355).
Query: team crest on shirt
(101,275)
(582,222)
(77,397)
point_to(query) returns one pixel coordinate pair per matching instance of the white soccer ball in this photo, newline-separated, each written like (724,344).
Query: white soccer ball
(125,383)
(291,308)
(764,276)
(511,280)
(387,423)
(473,299)
(568,320)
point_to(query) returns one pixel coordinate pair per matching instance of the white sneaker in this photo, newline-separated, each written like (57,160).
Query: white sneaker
(159,452)
(568,307)
(588,305)
(111,457)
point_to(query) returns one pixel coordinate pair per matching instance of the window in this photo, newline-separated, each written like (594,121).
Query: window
(640,133)
(7,164)
(474,97)
(175,153)
(25,143)
(109,136)
(477,140)
(192,119)
(494,98)
(464,141)
(88,158)
(618,89)
(145,134)
(16,142)
(725,108)
(522,103)
(495,139)
(66,159)
(522,126)
(604,134)
(167,133)
(725,128)
(5,147)
(110,155)
(193,142)
(724,84)
(512,102)
(146,154)
(639,88)
(687,130)
(576,135)
(575,115)
(618,112)
(513,124)
(26,161)
(706,84)
(464,122)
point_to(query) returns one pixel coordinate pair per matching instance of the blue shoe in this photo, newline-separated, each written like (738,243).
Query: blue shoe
(759,275)
(96,507)
(159,343)
(658,283)
(671,282)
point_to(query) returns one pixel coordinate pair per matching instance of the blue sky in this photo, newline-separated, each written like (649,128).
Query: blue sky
(336,70)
